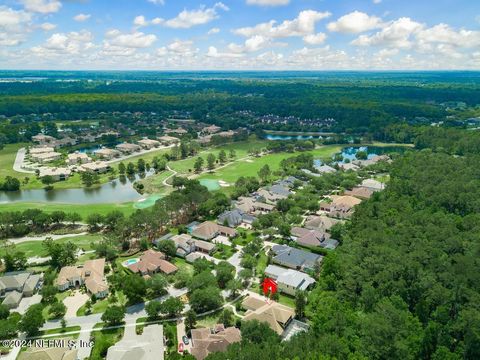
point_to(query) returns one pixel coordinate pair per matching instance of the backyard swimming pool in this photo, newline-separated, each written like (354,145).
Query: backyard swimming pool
(129,262)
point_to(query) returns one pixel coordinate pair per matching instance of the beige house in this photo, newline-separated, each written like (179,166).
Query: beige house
(58,174)
(275,315)
(48,353)
(78,158)
(127,148)
(46,157)
(98,167)
(43,139)
(147,346)
(16,285)
(91,275)
(206,341)
(212,129)
(168,140)
(148,143)
(208,230)
(107,154)
(340,206)
(152,262)
(41,150)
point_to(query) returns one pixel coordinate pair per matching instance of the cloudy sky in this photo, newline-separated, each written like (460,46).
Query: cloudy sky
(240,34)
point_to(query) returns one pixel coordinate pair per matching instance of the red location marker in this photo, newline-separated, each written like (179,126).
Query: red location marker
(180,347)
(269,286)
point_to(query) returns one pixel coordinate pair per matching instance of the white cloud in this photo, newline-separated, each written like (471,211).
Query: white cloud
(157,2)
(214,30)
(268,2)
(355,22)
(396,33)
(140,21)
(377,1)
(214,53)
(188,18)
(255,43)
(184,47)
(42,6)
(302,25)
(315,39)
(47,26)
(135,39)
(443,33)
(71,43)
(14,25)
(81,17)
(157,21)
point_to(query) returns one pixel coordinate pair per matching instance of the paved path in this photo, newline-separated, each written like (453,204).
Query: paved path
(180,334)
(43,237)
(165,181)
(19,159)
(84,352)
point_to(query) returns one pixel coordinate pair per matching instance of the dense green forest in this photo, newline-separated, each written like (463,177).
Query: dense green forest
(405,283)
(357,101)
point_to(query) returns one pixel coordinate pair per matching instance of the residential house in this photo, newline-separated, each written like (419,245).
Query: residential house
(46,157)
(98,167)
(275,315)
(145,346)
(168,140)
(48,353)
(212,129)
(41,150)
(295,258)
(348,166)
(127,148)
(178,131)
(78,158)
(107,154)
(372,161)
(91,274)
(148,143)
(373,185)
(289,281)
(58,174)
(234,218)
(186,245)
(251,206)
(18,284)
(43,139)
(206,341)
(266,195)
(360,192)
(324,169)
(306,237)
(152,262)
(340,206)
(208,230)
(320,223)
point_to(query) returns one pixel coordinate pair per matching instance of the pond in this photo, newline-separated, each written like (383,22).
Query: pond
(115,191)
(372,151)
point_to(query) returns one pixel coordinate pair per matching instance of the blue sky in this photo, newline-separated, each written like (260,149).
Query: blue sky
(240,34)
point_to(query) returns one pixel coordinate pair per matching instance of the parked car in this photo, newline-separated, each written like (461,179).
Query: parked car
(185,339)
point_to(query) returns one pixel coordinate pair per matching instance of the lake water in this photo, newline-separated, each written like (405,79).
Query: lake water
(116,191)
(291,137)
(372,151)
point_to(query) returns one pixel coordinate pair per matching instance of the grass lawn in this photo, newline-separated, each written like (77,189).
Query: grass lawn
(182,264)
(239,168)
(60,331)
(209,321)
(101,305)
(242,241)
(35,248)
(223,252)
(286,300)
(241,150)
(103,339)
(154,184)
(83,210)
(7,159)
(262,263)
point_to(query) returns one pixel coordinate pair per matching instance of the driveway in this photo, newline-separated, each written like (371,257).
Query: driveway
(74,302)
(19,160)
(181,333)
(26,302)
(235,261)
